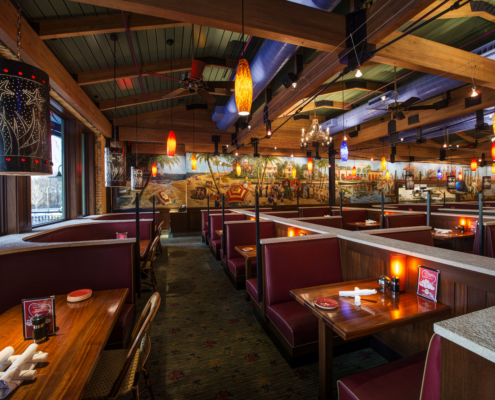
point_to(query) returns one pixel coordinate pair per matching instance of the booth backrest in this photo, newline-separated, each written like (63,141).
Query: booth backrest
(123,216)
(419,207)
(314,211)
(216,222)
(432,374)
(418,237)
(490,241)
(244,234)
(402,221)
(299,264)
(61,270)
(351,216)
(283,214)
(95,231)
(262,210)
(331,222)
(204,217)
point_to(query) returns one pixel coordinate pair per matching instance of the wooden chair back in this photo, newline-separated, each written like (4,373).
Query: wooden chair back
(151,253)
(158,231)
(140,340)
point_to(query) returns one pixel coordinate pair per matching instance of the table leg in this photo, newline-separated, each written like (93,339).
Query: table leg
(248,274)
(325,338)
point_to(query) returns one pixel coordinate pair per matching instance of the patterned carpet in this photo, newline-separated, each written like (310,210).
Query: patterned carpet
(206,343)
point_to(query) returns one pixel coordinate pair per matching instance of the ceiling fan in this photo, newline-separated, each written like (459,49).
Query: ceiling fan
(194,81)
(397,107)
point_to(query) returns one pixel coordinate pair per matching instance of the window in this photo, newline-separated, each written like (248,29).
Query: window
(48,192)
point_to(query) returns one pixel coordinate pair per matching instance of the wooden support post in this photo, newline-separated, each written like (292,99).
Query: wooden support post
(137,252)
(223,225)
(480,221)
(428,208)
(331,177)
(340,193)
(259,267)
(382,218)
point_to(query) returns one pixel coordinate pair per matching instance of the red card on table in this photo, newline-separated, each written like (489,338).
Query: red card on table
(428,283)
(40,306)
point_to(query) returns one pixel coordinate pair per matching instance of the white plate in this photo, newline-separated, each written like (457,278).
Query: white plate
(246,250)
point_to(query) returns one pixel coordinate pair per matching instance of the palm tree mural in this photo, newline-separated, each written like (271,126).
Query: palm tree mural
(322,165)
(209,159)
(268,160)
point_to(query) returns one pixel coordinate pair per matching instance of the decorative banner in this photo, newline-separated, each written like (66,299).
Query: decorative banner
(409,182)
(428,283)
(39,306)
(136,178)
(451,182)
(487,182)
(122,235)
(114,167)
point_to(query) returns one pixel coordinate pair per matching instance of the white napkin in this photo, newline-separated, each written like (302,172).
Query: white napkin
(443,231)
(326,215)
(369,222)
(38,357)
(7,381)
(6,353)
(357,292)
(28,373)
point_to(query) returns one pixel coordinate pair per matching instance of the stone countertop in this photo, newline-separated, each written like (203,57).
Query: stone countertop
(474,331)
(17,243)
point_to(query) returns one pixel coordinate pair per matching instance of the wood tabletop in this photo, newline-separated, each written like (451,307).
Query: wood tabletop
(143,246)
(248,255)
(82,333)
(363,224)
(350,322)
(452,236)
(219,232)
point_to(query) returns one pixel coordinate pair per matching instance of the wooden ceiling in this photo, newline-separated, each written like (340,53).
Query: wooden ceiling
(80,63)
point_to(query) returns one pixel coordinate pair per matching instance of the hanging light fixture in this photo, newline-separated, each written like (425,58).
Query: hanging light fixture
(243,81)
(439,174)
(474,93)
(171,143)
(474,164)
(344,152)
(359,74)
(114,156)
(460,176)
(25,121)
(383,163)
(354,171)
(315,134)
(137,173)
(387,174)
(493,151)
(194,159)
(493,168)
(154,169)
(294,171)
(310,164)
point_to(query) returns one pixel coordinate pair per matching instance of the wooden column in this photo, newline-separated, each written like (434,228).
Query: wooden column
(89,166)
(331,176)
(15,204)
(73,168)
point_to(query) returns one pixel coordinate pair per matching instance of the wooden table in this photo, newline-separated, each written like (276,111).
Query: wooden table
(219,232)
(350,322)
(362,225)
(249,256)
(143,245)
(83,331)
(459,241)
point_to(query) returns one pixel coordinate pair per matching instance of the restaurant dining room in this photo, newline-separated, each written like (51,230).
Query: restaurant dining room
(247,199)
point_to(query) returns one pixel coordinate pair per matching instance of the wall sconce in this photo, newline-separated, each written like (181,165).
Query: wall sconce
(291,232)
(398,268)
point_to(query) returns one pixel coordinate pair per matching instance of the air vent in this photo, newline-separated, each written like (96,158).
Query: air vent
(413,119)
(392,127)
(324,103)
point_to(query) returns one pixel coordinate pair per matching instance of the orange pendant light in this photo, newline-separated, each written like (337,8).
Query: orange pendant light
(243,88)
(387,174)
(154,170)
(384,163)
(353,171)
(493,168)
(310,164)
(171,144)
(460,176)
(238,169)
(493,151)
(194,162)
(294,172)
(474,164)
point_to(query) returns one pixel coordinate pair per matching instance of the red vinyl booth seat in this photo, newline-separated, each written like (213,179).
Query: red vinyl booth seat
(418,237)
(330,222)
(490,240)
(123,216)
(295,265)
(252,288)
(403,221)
(420,207)
(314,211)
(413,378)
(351,216)
(204,220)
(216,225)
(283,214)
(244,234)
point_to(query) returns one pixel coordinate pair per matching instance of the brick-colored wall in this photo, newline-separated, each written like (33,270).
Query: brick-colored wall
(100,192)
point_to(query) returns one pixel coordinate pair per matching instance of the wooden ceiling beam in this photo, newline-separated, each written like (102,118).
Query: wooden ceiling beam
(462,12)
(59,28)
(327,104)
(418,54)
(151,97)
(161,67)
(275,19)
(36,53)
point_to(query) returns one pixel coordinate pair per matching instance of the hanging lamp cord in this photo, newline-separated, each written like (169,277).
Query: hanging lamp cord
(114,133)
(19,21)
(137,161)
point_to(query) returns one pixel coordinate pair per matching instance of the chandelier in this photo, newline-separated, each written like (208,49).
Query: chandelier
(315,135)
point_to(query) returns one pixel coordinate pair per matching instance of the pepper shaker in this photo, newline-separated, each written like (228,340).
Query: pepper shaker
(395,286)
(39,328)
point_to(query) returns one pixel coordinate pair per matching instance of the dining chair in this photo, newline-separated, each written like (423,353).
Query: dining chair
(158,234)
(117,372)
(147,270)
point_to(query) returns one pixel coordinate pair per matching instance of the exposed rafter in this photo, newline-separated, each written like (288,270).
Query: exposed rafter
(161,67)
(59,28)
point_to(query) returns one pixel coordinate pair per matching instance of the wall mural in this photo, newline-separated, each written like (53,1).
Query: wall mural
(282,178)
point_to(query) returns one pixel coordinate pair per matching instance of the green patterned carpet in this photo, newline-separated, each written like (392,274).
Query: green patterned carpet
(206,343)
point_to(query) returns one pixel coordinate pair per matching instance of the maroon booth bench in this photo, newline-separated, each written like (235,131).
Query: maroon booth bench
(404,220)
(416,377)
(204,224)
(331,222)
(420,236)
(215,224)
(294,264)
(243,233)
(314,211)
(351,216)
